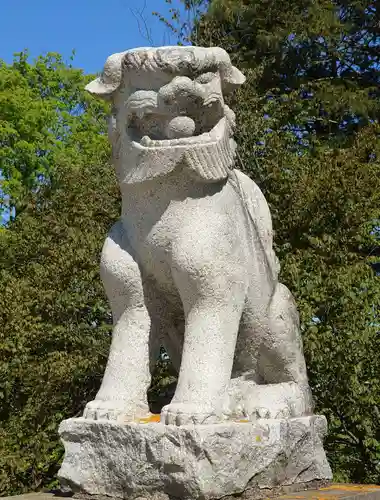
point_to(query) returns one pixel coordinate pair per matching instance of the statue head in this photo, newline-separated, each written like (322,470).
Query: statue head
(168,109)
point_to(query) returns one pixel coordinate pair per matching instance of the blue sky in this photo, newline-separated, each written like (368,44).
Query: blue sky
(94,28)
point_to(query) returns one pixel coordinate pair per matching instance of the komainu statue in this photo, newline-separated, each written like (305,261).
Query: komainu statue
(190,264)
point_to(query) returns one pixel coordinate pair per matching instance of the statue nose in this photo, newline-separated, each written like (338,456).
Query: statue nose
(181,90)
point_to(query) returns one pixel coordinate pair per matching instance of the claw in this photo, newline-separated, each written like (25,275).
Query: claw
(188,414)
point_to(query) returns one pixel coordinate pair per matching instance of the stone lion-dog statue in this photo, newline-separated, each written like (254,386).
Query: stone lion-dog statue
(190,264)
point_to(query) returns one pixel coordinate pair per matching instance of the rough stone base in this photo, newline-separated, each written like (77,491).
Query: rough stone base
(191,462)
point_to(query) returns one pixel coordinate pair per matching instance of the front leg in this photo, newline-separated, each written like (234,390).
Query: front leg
(213,295)
(123,392)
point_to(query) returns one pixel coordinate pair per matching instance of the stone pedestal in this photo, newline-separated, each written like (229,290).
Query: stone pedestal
(191,462)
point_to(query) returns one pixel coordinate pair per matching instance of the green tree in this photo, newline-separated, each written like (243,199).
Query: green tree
(45,115)
(55,322)
(308,134)
(54,318)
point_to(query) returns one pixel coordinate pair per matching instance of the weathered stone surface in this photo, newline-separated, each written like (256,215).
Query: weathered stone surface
(191,462)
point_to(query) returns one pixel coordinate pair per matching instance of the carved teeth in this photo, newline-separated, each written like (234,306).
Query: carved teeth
(146,141)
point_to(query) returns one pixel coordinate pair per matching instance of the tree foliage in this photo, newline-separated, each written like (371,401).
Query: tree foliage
(309,135)
(45,115)
(54,318)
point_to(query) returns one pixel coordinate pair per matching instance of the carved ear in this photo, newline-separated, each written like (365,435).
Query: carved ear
(110,79)
(232,80)
(231,76)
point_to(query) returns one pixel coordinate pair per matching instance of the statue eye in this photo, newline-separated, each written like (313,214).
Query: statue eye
(205,78)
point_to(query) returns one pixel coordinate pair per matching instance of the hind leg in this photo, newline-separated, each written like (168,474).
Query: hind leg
(271,372)
(281,358)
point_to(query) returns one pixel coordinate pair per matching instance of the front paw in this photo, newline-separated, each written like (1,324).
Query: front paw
(119,411)
(189,414)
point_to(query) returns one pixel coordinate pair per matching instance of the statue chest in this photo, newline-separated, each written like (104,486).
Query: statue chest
(152,233)
(160,227)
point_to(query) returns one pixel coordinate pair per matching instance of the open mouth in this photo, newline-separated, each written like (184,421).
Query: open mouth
(154,125)
(151,140)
